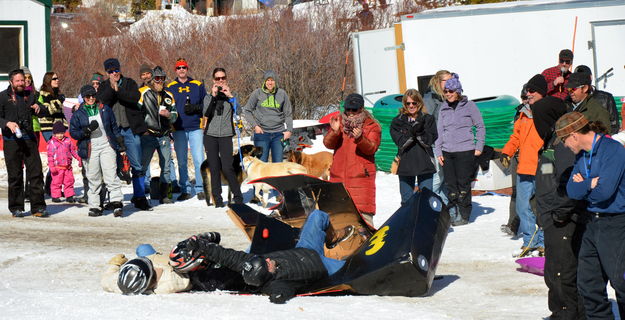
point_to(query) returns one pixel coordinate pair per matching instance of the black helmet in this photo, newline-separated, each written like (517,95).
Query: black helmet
(135,276)
(255,271)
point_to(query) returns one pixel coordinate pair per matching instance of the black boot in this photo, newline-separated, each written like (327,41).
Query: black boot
(165,193)
(141,203)
(118,210)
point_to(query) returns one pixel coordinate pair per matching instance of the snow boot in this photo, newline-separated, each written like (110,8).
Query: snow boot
(164,197)
(95,212)
(141,203)
(118,210)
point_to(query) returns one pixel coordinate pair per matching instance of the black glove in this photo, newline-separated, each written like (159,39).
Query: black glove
(417,128)
(505,160)
(192,109)
(122,145)
(280,292)
(213,237)
(93,125)
(195,245)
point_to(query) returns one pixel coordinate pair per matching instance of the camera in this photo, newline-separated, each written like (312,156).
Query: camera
(25,124)
(219,88)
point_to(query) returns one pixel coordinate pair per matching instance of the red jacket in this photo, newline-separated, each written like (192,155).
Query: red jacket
(354,163)
(526,140)
(558,91)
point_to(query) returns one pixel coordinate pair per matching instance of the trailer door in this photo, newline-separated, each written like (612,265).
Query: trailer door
(608,48)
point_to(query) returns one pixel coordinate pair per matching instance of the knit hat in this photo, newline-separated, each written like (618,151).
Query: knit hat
(26,70)
(566,54)
(97,77)
(144,250)
(111,64)
(181,62)
(87,90)
(58,127)
(583,68)
(144,68)
(578,79)
(354,102)
(454,83)
(538,84)
(569,123)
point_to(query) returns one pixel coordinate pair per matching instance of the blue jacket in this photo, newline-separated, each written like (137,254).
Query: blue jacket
(607,163)
(196,92)
(80,120)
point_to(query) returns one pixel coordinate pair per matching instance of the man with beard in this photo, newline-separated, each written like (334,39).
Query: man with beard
(159,108)
(17,107)
(122,94)
(558,76)
(580,91)
(605,99)
(562,219)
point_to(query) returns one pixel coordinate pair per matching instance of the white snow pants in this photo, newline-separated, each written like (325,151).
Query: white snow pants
(102,165)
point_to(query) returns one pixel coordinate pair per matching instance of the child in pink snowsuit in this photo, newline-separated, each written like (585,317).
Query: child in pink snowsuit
(60,153)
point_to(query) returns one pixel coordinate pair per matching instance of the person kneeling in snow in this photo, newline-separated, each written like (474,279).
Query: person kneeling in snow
(279,274)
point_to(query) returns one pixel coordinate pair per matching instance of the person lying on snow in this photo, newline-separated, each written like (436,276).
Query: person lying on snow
(279,274)
(153,272)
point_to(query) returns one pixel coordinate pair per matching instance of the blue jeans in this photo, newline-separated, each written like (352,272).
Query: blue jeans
(313,236)
(270,141)
(47,135)
(183,140)
(407,184)
(133,151)
(162,145)
(525,188)
(172,171)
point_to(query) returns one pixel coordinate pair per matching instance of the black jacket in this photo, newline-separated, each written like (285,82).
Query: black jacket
(150,103)
(606,100)
(546,112)
(128,96)
(416,158)
(18,111)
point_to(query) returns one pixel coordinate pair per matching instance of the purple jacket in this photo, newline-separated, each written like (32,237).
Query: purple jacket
(455,132)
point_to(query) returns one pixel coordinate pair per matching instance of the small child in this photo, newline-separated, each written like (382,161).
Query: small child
(60,153)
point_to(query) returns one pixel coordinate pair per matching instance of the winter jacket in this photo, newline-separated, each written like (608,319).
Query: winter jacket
(196,92)
(416,158)
(169,282)
(527,142)
(545,113)
(80,120)
(607,164)
(150,103)
(60,153)
(353,163)
(606,100)
(54,104)
(272,111)
(124,104)
(17,108)
(455,128)
(219,112)
(433,103)
(592,110)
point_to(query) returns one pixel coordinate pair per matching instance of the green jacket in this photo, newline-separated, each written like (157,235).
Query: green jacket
(592,109)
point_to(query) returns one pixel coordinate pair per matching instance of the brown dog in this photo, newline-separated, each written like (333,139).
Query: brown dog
(318,164)
(256,169)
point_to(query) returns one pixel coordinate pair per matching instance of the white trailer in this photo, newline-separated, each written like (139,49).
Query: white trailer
(495,48)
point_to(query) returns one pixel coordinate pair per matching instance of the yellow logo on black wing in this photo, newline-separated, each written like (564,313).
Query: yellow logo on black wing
(377,241)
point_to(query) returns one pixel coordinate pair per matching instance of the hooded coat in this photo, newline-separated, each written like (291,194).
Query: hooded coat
(354,162)
(270,110)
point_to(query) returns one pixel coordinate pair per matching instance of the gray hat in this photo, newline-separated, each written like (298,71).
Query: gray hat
(26,70)
(270,74)
(144,68)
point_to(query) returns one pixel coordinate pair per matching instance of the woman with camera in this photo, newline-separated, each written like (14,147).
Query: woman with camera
(221,109)
(414,133)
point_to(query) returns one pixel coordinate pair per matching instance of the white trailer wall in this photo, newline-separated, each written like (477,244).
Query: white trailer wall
(496,48)
(375,64)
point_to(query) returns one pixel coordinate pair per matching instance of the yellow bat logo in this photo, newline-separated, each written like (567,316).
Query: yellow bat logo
(377,241)
(184,89)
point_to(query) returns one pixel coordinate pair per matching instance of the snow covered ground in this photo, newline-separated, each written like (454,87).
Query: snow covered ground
(50,268)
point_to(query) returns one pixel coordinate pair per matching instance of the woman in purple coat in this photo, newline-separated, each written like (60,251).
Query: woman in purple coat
(457,146)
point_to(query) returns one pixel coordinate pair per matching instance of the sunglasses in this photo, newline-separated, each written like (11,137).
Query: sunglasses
(565,61)
(89,96)
(220,78)
(54,79)
(448,91)
(113,71)
(573,89)
(181,67)
(159,79)
(531,91)
(352,110)
(412,103)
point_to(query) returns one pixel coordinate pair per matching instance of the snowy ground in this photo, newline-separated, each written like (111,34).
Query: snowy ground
(50,268)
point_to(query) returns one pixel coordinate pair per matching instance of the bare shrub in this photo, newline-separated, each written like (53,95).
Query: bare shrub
(305,47)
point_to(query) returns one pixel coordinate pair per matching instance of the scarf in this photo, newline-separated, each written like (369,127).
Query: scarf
(92,110)
(352,122)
